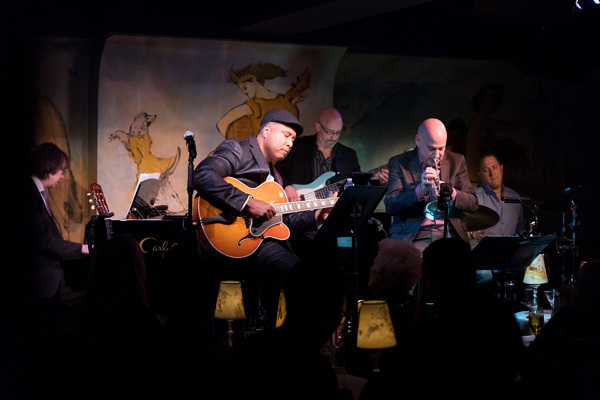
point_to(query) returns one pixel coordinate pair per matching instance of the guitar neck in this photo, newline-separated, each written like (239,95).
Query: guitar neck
(336,186)
(297,206)
(378,169)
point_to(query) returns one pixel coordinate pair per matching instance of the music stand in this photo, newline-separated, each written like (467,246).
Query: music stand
(357,203)
(508,252)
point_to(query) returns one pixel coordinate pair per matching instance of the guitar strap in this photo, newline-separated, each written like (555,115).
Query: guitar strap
(276,175)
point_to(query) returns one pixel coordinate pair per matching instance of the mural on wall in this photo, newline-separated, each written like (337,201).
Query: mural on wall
(138,143)
(60,116)
(216,89)
(244,119)
(66,199)
(220,89)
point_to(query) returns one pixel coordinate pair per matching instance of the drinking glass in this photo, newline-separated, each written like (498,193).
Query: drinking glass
(551,295)
(536,319)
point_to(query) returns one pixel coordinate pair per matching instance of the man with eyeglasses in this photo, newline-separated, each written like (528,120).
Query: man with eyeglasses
(51,297)
(314,155)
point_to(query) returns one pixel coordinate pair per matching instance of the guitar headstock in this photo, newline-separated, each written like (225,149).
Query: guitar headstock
(98,199)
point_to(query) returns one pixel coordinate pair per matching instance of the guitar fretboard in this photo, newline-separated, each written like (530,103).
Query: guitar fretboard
(296,206)
(337,186)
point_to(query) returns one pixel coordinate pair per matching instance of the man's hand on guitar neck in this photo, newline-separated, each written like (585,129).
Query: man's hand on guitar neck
(383,176)
(259,209)
(322,213)
(291,193)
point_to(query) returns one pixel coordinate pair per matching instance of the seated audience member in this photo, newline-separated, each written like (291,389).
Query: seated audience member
(465,342)
(395,271)
(116,346)
(564,359)
(286,362)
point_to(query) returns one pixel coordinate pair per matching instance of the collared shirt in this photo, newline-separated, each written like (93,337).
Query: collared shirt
(322,164)
(40,187)
(512,220)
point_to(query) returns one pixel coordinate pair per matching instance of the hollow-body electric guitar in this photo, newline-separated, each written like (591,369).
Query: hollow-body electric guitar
(239,236)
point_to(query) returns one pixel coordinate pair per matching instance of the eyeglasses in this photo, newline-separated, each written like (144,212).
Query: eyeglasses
(330,132)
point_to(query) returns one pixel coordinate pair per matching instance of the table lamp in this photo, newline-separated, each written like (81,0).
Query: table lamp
(281,310)
(375,329)
(230,304)
(535,275)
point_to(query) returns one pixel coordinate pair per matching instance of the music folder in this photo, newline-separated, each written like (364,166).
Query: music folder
(509,252)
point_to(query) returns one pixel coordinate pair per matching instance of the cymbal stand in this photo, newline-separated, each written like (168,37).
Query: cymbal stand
(568,245)
(574,246)
(533,226)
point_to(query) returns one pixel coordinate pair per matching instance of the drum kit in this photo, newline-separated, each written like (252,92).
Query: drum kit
(575,205)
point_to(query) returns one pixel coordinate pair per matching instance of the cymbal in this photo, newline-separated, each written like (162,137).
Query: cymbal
(483,218)
(562,201)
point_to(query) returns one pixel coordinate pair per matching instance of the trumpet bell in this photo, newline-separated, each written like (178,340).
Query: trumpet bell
(432,211)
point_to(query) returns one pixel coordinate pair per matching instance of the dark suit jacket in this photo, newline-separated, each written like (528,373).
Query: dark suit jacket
(298,166)
(244,161)
(49,247)
(401,200)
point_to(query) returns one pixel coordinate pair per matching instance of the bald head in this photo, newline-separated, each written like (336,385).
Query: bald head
(329,127)
(332,119)
(431,140)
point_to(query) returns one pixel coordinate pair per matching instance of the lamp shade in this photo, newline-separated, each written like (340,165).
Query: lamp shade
(230,303)
(535,274)
(375,329)
(281,310)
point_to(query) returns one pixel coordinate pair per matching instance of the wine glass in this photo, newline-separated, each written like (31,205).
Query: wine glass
(536,319)
(551,295)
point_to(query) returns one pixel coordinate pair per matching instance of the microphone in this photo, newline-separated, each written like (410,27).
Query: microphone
(517,199)
(191,144)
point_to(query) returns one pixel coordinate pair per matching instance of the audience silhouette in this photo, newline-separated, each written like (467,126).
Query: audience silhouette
(287,362)
(465,341)
(395,271)
(564,359)
(116,346)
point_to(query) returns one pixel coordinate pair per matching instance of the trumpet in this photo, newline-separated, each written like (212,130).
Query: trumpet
(432,211)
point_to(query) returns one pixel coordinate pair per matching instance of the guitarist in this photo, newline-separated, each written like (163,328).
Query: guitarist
(314,155)
(251,161)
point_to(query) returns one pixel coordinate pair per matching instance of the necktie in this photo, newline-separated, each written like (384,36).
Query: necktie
(45,196)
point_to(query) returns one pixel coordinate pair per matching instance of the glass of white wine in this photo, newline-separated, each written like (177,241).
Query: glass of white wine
(536,319)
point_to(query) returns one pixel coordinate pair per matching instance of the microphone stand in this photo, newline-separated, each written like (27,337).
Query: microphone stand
(445,202)
(190,190)
(189,220)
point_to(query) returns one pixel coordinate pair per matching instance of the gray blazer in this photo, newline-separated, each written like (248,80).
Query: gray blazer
(401,200)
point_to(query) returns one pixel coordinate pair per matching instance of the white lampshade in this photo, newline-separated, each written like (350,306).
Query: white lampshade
(281,310)
(230,303)
(535,274)
(375,329)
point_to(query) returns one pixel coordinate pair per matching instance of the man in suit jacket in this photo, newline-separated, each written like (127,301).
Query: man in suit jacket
(411,180)
(48,166)
(314,155)
(251,161)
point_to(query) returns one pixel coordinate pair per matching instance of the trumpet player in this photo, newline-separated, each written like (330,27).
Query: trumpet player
(415,179)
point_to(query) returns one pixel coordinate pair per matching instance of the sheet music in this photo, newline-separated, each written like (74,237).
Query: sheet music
(146,191)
